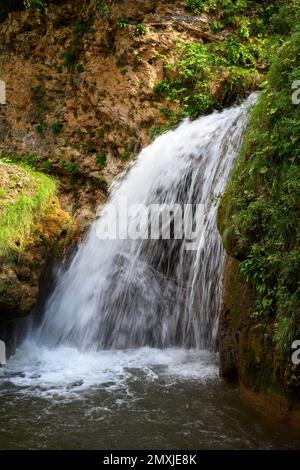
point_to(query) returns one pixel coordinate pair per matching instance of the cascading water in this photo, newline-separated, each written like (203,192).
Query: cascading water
(119,294)
(123,356)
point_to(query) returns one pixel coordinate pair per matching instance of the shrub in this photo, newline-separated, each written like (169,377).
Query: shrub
(40,129)
(262,199)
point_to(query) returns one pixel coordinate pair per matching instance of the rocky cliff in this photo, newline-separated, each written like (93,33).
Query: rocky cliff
(90,83)
(34,232)
(259,223)
(80,104)
(80,99)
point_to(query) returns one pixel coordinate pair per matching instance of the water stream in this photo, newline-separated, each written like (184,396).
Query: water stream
(125,355)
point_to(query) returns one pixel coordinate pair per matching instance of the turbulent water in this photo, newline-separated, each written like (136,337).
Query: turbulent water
(143,398)
(124,355)
(128,293)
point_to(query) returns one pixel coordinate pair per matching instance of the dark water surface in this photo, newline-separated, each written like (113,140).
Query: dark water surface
(136,399)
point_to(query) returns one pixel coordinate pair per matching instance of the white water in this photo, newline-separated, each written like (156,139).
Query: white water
(67,373)
(122,357)
(123,304)
(119,294)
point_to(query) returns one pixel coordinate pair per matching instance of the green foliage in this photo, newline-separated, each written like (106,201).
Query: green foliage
(40,129)
(101,132)
(79,68)
(126,154)
(72,54)
(47,166)
(193,73)
(140,29)
(199,66)
(198,6)
(218,73)
(263,197)
(28,159)
(173,120)
(156,131)
(20,212)
(40,7)
(226,7)
(237,53)
(56,127)
(70,167)
(101,160)
(123,23)
(216,26)
(102,7)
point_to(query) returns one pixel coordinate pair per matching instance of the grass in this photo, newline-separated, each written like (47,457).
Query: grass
(26,198)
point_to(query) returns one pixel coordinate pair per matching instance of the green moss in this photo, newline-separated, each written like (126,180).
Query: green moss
(101,160)
(56,127)
(261,206)
(73,52)
(28,195)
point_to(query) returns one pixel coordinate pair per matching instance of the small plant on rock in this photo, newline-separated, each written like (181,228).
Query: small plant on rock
(56,127)
(102,7)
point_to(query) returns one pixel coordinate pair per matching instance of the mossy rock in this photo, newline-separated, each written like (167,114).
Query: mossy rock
(34,231)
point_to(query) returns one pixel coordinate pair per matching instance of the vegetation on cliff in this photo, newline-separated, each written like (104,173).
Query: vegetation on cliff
(33,230)
(260,212)
(25,198)
(220,66)
(227,64)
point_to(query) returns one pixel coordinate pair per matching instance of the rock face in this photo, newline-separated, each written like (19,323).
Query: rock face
(248,355)
(34,231)
(80,104)
(19,279)
(80,89)
(260,319)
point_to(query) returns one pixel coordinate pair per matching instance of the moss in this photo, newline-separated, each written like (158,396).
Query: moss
(72,54)
(28,197)
(259,218)
(33,230)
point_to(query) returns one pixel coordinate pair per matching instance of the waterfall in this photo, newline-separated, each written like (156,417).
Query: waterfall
(124,293)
